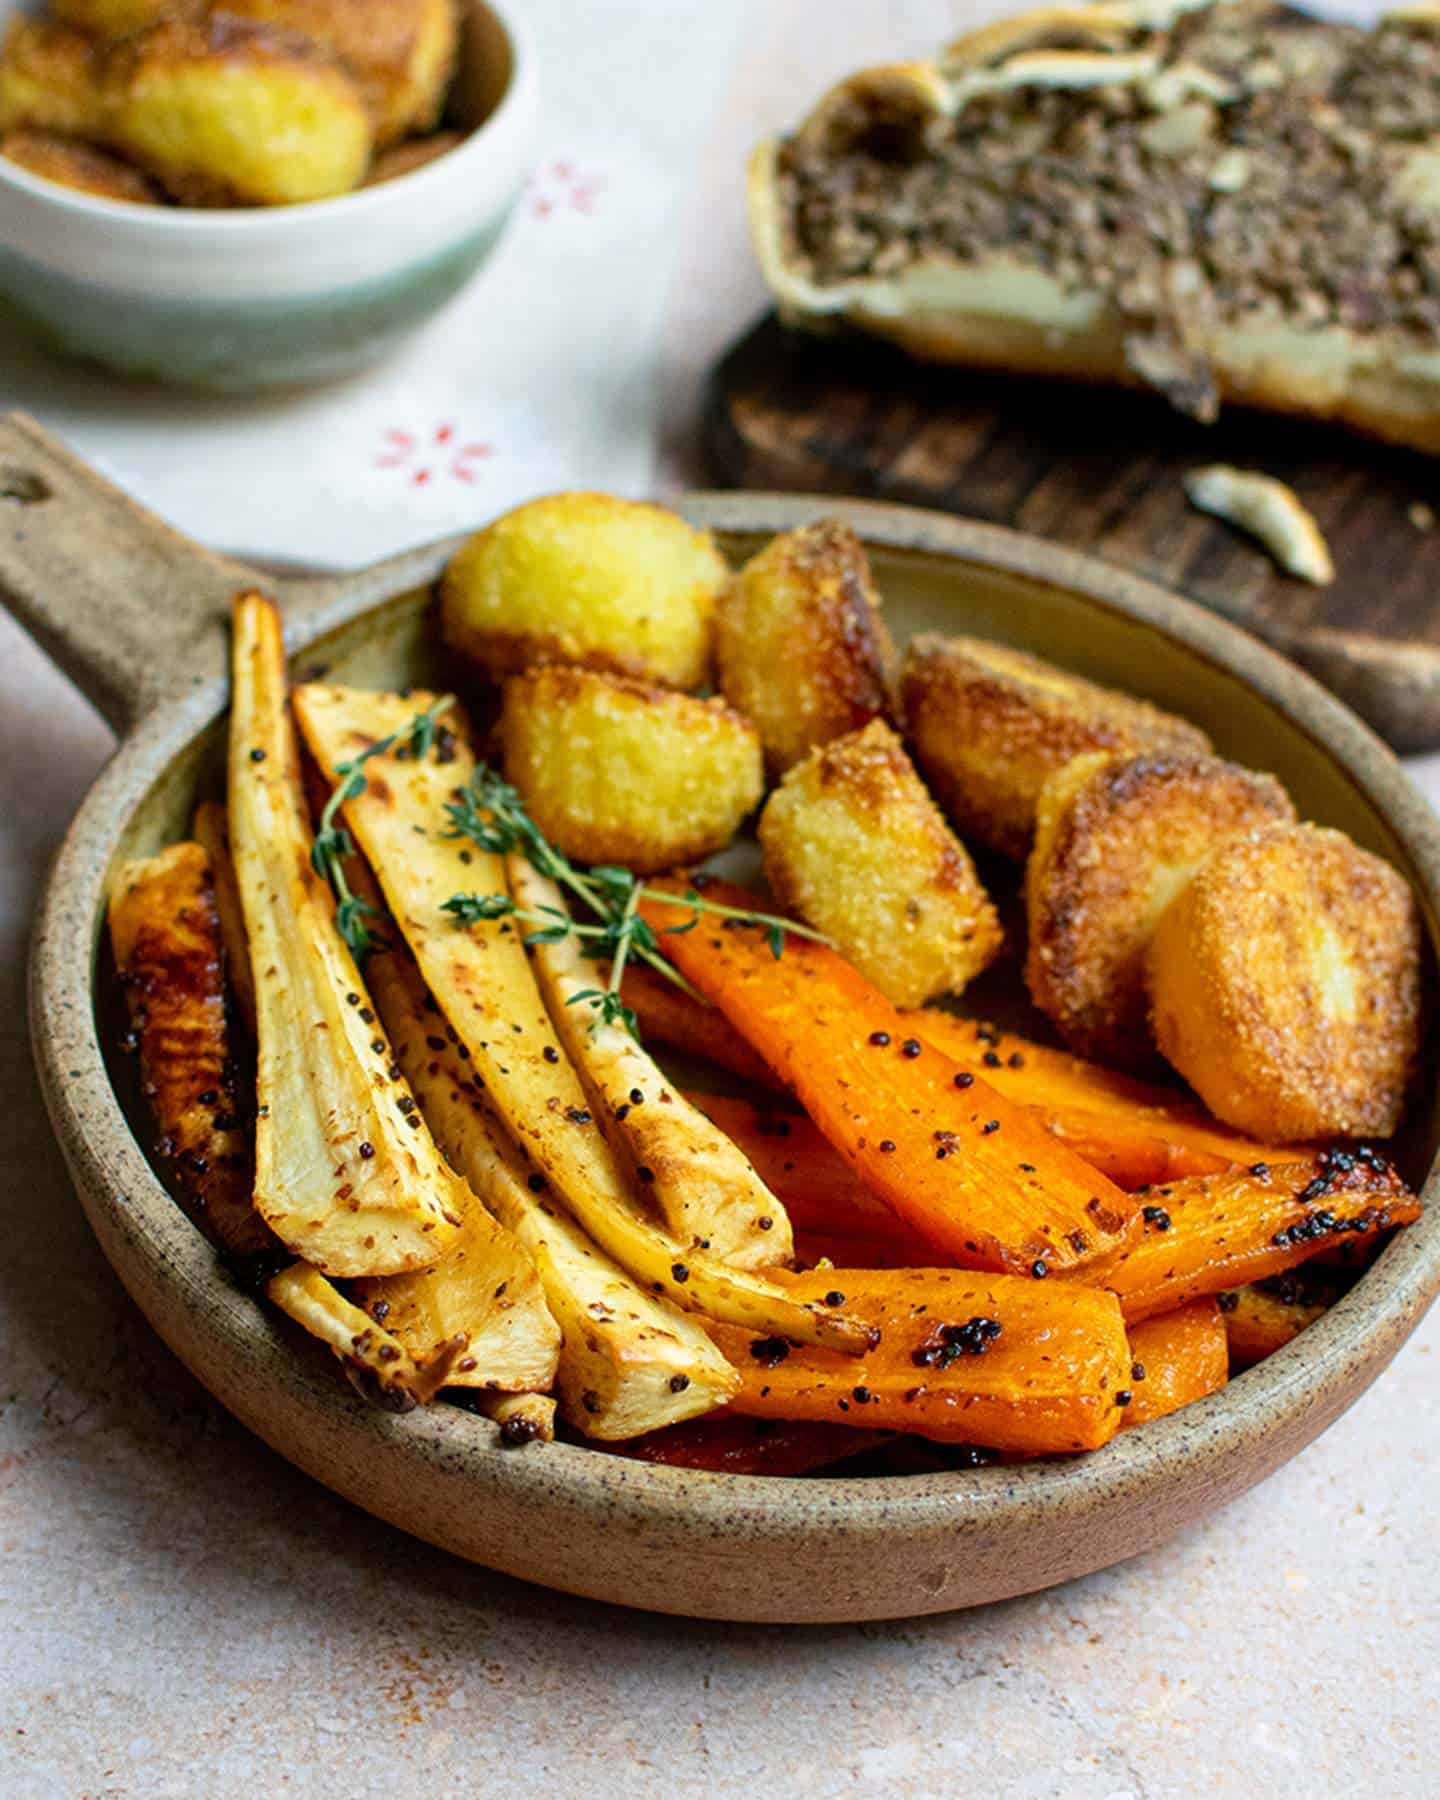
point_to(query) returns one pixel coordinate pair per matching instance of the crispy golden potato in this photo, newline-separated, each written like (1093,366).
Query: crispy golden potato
(1285,985)
(414,153)
(857,847)
(226,112)
(80,166)
(400,53)
(50,80)
(587,579)
(118,18)
(800,645)
(615,771)
(989,725)
(1116,839)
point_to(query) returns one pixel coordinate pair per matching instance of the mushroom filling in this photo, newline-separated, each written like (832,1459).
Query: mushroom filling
(1273,167)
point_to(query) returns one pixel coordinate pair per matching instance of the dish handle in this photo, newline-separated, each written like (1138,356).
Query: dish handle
(131,610)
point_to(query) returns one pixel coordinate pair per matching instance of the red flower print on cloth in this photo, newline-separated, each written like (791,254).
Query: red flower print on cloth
(434,455)
(562,186)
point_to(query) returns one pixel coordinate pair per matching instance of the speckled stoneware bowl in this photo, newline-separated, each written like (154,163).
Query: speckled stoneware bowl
(137,616)
(267,297)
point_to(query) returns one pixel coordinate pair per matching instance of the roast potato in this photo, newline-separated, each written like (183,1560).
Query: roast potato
(118,18)
(800,644)
(1116,838)
(79,166)
(414,153)
(400,53)
(588,579)
(227,112)
(617,771)
(50,80)
(857,847)
(989,725)
(1285,985)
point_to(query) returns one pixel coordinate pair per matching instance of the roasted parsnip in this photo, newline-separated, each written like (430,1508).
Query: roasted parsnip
(346,1172)
(212,829)
(384,1367)
(629,1362)
(485,1290)
(522,1418)
(482,978)
(704,1186)
(166,939)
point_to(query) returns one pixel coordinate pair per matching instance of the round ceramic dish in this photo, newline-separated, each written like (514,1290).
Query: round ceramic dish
(137,616)
(242,300)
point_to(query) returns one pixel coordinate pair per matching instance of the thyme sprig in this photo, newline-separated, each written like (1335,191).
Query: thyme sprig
(333,845)
(490,813)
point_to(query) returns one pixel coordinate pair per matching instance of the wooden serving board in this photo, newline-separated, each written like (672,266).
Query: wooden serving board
(1100,469)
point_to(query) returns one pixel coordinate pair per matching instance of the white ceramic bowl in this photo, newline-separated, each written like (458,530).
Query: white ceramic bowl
(267,297)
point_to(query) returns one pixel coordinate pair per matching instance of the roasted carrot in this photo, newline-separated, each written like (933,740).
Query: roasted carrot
(668,1015)
(1208,1233)
(1176,1357)
(793,1159)
(832,1213)
(731,1445)
(970,1171)
(166,937)
(995,1360)
(1261,1319)
(387,1371)
(1138,1132)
